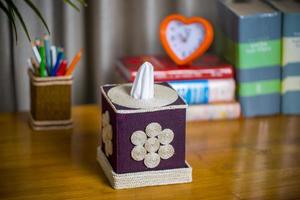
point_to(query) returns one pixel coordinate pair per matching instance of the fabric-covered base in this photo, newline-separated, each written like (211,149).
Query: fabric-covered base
(50,125)
(142,179)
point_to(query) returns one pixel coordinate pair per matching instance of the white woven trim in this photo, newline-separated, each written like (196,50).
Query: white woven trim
(45,81)
(46,128)
(142,179)
(52,83)
(50,127)
(172,107)
(121,95)
(50,122)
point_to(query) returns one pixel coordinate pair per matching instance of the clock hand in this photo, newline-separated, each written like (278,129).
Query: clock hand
(182,38)
(187,33)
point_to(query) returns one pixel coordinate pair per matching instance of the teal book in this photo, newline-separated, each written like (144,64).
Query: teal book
(290,54)
(250,35)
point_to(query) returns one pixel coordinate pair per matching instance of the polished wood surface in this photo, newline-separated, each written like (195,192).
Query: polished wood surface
(241,159)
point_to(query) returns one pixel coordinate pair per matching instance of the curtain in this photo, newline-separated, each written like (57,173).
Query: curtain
(106,30)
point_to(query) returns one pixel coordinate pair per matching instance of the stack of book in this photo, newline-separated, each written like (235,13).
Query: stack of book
(251,41)
(208,85)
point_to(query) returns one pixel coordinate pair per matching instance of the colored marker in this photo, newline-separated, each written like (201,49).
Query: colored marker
(47,49)
(31,66)
(57,63)
(36,53)
(43,71)
(37,43)
(73,63)
(35,67)
(53,56)
(62,68)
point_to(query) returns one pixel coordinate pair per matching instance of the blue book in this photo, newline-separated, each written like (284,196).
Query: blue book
(290,54)
(250,36)
(205,91)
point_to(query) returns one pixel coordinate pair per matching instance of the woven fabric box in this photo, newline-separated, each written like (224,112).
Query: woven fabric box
(143,146)
(50,102)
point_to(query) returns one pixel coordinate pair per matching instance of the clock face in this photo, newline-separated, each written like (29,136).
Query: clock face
(184,39)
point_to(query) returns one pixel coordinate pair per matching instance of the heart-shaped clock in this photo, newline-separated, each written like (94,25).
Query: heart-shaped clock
(185,39)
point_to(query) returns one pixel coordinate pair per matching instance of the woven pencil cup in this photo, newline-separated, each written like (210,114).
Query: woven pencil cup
(50,102)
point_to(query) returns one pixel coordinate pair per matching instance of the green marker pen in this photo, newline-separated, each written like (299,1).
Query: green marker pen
(43,71)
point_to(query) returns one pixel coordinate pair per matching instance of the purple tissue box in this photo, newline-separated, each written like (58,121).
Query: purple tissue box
(142,139)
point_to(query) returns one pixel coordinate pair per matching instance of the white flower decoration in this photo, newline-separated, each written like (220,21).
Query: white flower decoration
(152,145)
(107,134)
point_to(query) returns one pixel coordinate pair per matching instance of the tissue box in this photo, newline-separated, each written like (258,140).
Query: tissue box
(50,102)
(290,55)
(251,40)
(143,144)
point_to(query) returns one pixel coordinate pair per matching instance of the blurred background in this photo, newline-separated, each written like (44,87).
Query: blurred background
(106,29)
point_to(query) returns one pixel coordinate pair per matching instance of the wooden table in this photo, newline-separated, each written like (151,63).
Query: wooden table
(242,159)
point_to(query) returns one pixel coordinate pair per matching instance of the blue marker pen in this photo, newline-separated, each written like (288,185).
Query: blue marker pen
(60,56)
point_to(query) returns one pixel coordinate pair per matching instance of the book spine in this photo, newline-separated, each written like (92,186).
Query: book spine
(205,91)
(291,64)
(253,44)
(193,74)
(214,111)
(217,72)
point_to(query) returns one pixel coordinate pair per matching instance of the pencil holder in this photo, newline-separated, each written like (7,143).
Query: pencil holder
(50,102)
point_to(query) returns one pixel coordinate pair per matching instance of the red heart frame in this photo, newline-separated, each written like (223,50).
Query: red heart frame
(208,37)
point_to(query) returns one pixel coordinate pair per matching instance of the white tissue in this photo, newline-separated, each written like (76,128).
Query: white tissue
(143,85)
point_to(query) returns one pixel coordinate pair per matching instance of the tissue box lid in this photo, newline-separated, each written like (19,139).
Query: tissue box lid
(176,101)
